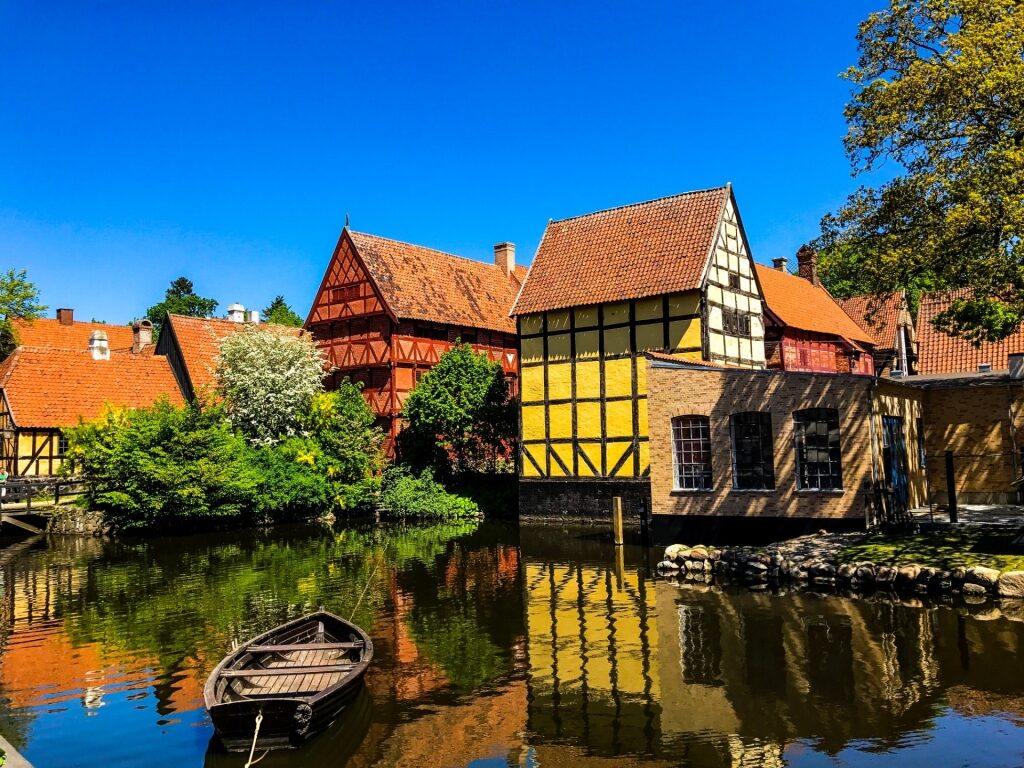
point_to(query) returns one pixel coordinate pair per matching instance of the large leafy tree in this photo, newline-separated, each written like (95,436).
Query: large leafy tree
(180,299)
(459,416)
(938,95)
(268,379)
(280,313)
(19,298)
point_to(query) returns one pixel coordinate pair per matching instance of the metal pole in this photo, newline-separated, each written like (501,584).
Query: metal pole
(951,488)
(617,520)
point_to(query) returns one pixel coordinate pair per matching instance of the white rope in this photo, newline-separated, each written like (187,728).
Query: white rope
(372,574)
(255,737)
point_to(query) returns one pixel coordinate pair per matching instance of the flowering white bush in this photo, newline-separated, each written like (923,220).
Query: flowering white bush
(267,379)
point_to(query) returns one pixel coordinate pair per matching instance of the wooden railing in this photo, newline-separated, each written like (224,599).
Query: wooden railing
(20,492)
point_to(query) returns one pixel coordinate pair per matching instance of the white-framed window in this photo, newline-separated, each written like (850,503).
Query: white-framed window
(691,453)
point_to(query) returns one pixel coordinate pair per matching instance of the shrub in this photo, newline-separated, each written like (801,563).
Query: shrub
(342,425)
(405,495)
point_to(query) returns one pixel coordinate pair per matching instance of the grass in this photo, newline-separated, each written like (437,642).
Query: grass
(939,549)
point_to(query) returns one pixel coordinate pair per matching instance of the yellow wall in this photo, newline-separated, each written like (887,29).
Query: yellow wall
(584,387)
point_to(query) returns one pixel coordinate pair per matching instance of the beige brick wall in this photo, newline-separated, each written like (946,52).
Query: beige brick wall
(718,393)
(974,423)
(892,399)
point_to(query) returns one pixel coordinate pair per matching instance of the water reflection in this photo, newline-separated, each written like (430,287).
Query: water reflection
(525,647)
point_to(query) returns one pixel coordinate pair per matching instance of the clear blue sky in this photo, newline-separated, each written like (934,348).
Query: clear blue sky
(141,141)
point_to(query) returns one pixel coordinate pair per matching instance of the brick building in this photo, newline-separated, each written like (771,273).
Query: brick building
(778,444)
(888,319)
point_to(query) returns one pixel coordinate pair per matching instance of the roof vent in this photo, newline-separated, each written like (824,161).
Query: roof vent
(99,346)
(236,313)
(254,316)
(781,263)
(1016,365)
(984,367)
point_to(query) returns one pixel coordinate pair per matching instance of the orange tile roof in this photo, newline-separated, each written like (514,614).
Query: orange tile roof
(49,388)
(199,340)
(644,249)
(51,333)
(877,315)
(420,283)
(941,353)
(799,304)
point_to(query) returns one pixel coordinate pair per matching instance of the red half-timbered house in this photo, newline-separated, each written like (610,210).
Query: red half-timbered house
(805,328)
(386,311)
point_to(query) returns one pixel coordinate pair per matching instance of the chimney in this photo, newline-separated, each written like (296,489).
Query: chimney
(505,257)
(66,316)
(99,346)
(807,264)
(781,264)
(236,313)
(142,335)
(254,316)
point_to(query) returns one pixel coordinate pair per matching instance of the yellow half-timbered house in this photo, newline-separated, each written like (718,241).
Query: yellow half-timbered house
(672,275)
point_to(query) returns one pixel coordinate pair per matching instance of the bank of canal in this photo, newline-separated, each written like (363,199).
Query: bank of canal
(495,645)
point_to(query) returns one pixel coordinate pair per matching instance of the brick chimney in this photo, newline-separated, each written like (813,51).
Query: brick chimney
(99,346)
(781,264)
(807,264)
(505,257)
(66,316)
(142,335)
(236,313)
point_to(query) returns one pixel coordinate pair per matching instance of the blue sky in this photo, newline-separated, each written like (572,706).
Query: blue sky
(226,142)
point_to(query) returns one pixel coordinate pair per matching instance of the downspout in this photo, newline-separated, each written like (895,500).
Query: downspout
(874,450)
(901,332)
(1013,432)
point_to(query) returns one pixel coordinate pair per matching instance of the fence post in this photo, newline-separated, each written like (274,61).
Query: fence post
(617,519)
(954,517)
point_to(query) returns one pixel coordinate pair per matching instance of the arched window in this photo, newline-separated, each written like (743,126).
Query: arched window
(753,459)
(818,460)
(691,453)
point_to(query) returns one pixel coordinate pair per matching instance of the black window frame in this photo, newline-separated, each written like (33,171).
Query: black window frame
(814,430)
(735,323)
(753,451)
(691,453)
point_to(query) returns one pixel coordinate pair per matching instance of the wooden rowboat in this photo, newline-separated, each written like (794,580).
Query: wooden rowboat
(298,678)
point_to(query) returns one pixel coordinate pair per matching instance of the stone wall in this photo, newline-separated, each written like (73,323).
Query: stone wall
(582,499)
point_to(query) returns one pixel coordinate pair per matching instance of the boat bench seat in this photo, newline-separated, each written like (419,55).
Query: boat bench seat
(303,647)
(294,670)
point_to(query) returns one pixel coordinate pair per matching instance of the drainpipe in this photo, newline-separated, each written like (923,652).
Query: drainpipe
(874,450)
(1013,432)
(901,332)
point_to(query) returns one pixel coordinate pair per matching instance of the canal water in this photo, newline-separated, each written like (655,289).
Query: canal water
(496,645)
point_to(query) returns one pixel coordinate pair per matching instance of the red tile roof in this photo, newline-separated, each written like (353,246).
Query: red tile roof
(199,341)
(807,307)
(420,283)
(48,388)
(50,333)
(877,315)
(645,249)
(941,353)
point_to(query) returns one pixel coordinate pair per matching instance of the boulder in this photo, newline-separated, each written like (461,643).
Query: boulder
(906,575)
(673,551)
(983,577)
(846,571)
(1011,584)
(924,576)
(885,575)
(667,565)
(866,571)
(699,553)
(970,588)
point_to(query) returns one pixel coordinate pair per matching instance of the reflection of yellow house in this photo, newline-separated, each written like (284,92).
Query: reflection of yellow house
(672,275)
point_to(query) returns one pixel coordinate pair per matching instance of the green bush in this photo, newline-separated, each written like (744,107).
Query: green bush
(405,495)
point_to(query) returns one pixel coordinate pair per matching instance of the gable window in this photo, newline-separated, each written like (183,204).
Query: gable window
(753,461)
(691,453)
(345,293)
(734,281)
(818,462)
(735,323)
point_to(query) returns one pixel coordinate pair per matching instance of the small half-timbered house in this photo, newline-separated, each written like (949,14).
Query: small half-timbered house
(805,328)
(887,318)
(386,311)
(672,275)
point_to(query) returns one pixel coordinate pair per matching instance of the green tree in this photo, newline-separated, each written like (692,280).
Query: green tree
(938,90)
(268,379)
(341,423)
(19,298)
(180,299)
(280,313)
(459,416)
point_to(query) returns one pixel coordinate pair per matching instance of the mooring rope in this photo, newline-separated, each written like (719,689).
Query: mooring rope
(255,737)
(368,581)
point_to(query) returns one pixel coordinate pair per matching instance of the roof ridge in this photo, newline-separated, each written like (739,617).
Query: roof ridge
(642,202)
(426,248)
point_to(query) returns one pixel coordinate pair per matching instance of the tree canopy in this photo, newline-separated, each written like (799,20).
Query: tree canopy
(280,313)
(19,298)
(459,416)
(938,90)
(180,299)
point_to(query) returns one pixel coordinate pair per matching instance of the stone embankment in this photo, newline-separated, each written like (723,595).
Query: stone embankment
(801,563)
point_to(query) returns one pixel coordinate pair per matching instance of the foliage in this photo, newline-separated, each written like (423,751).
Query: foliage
(341,423)
(280,313)
(19,298)
(938,549)
(267,379)
(180,299)
(405,495)
(459,416)
(939,90)
(164,466)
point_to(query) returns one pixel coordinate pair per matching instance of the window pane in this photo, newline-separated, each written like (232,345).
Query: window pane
(753,461)
(691,452)
(818,451)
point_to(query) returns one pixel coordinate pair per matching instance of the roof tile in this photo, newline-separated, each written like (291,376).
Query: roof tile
(877,315)
(51,333)
(940,353)
(800,304)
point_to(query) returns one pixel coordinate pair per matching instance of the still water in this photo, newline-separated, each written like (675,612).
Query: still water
(496,645)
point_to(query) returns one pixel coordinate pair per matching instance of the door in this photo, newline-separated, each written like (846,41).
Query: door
(894,457)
